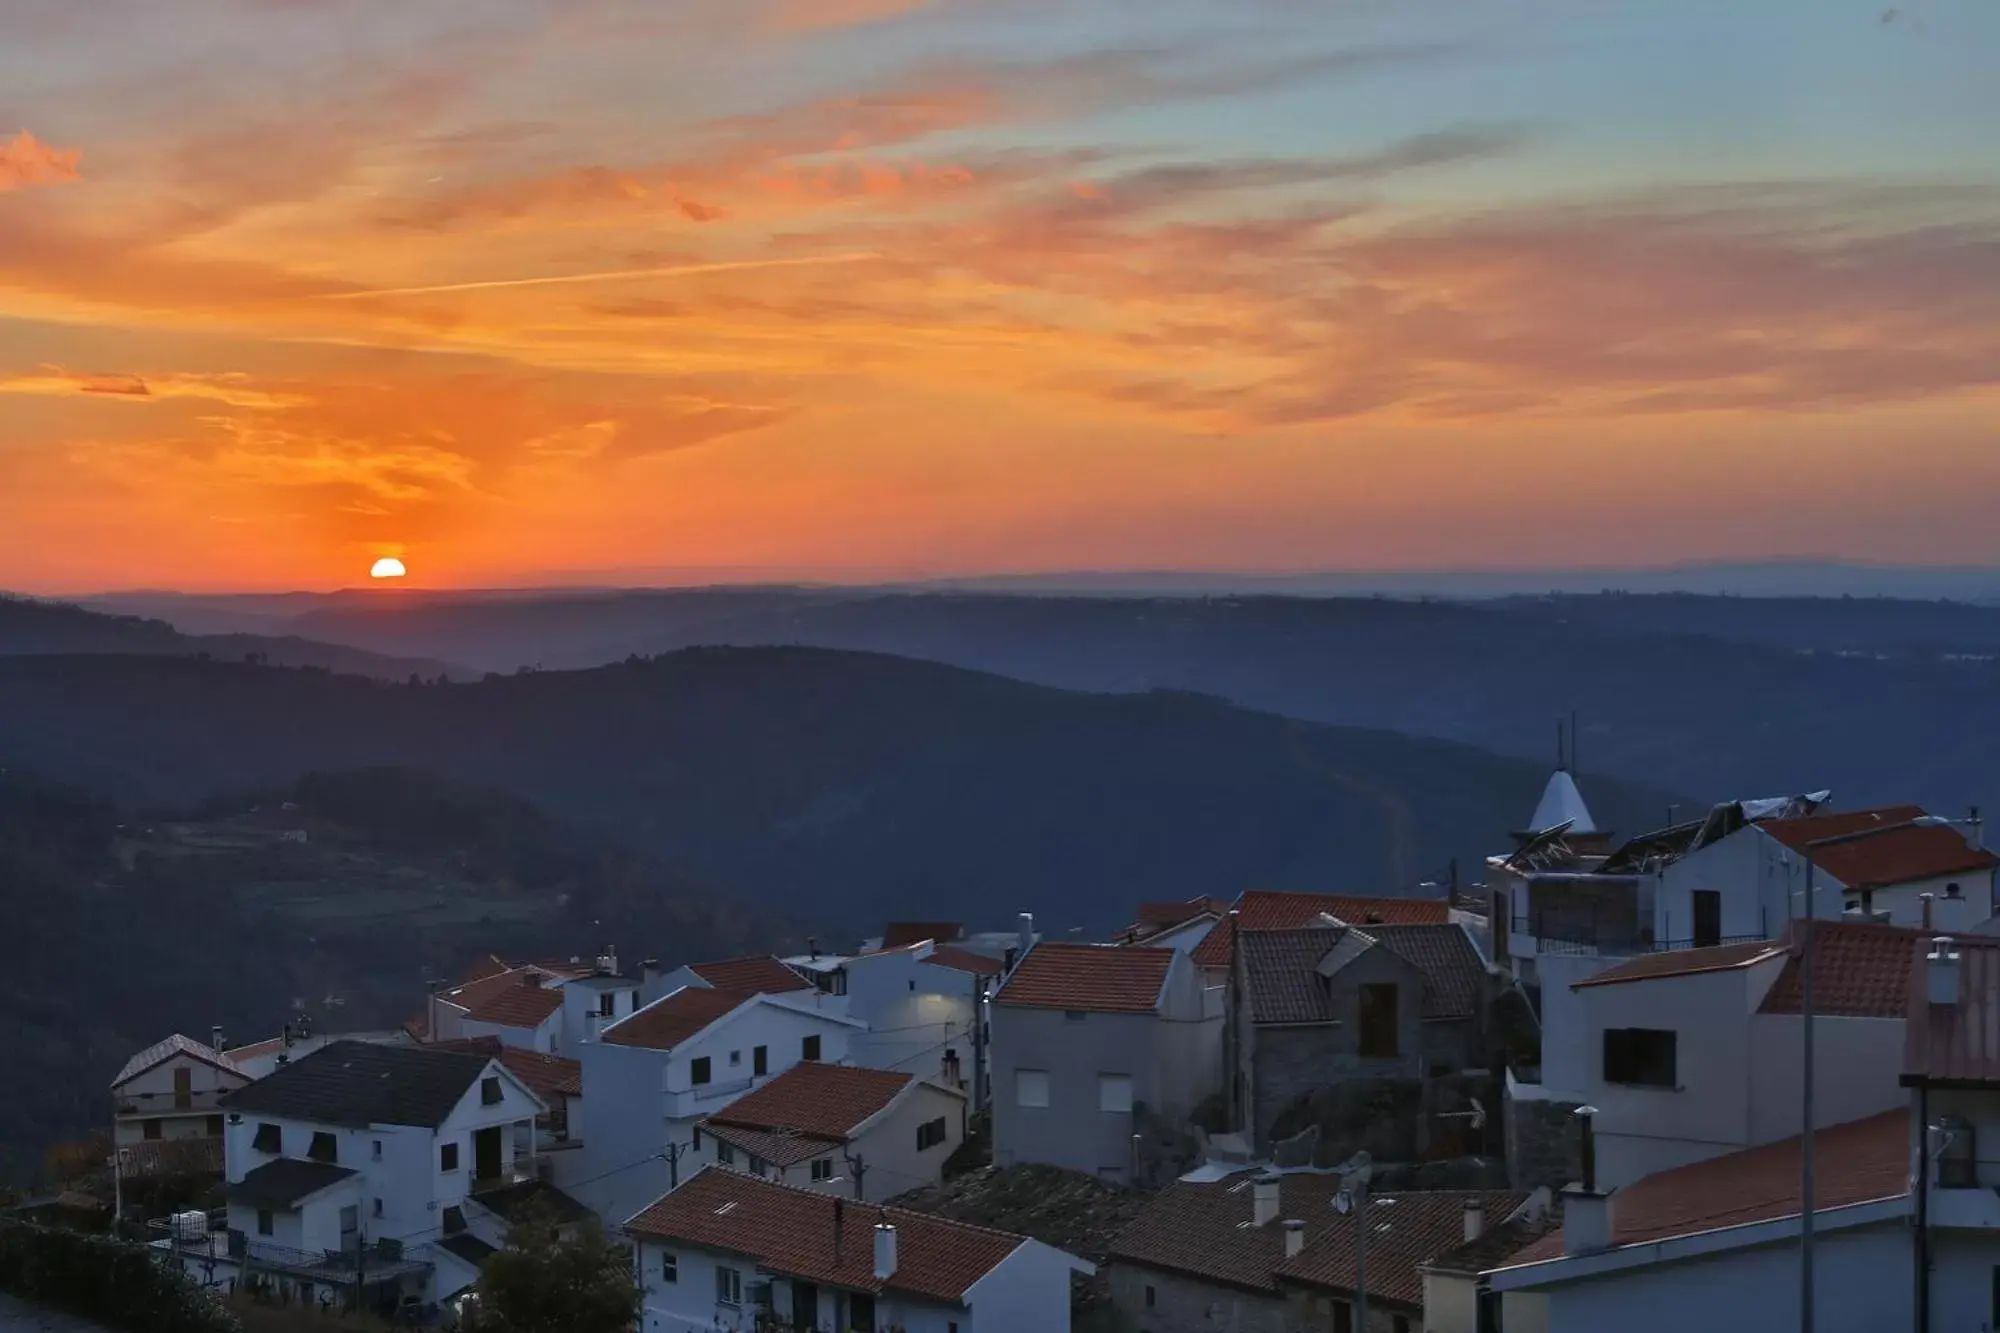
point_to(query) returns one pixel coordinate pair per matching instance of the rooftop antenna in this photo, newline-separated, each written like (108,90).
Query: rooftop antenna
(1573,769)
(1562,749)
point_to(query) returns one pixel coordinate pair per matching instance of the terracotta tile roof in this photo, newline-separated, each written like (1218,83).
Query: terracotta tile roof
(1454,973)
(1281,968)
(1685,963)
(518,1006)
(1499,1243)
(1262,909)
(1857,1162)
(791,1231)
(673,1019)
(964,960)
(899,933)
(1954,1044)
(778,1149)
(472,994)
(1203,1229)
(1897,856)
(545,1075)
(489,966)
(821,1101)
(162,1051)
(1099,977)
(759,974)
(1860,970)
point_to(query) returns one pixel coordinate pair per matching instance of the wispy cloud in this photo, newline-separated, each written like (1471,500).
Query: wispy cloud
(235,390)
(613,275)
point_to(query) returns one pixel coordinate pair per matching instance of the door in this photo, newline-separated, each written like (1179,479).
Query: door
(805,1305)
(1378,1020)
(183,1087)
(1707,918)
(486,1154)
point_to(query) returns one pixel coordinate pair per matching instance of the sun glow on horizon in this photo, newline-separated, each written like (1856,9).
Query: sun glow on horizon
(388,567)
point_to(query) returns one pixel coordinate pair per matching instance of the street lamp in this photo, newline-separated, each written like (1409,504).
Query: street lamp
(1352,1200)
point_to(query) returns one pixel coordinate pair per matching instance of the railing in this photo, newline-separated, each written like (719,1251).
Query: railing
(1582,940)
(380,1260)
(166,1103)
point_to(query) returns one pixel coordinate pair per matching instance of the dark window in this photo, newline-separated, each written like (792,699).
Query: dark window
(756,1165)
(324,1147)
(607,1004)
(378,1208)
(860,1312)
(728,1287)
(212,1127)
(1150,1295)
(670,1267)
(697,1138)
(1400,1324)
(930,1134)
(265,1225)
(376,1151)
(1343,1317)
(1644,1056)
(699,1070)
(447,1157)
(760,1060)
(809,1048)
(822,1168)
(269,1138)
(1707,918)
(725,1153)
(489,1092)
(1378,1020)
(151,1129)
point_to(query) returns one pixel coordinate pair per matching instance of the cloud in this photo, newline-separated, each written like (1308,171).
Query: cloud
(26,162)
(613,275)
(235,390)
(799,16)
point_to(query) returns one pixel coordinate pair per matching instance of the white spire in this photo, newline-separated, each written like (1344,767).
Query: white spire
(1562,803)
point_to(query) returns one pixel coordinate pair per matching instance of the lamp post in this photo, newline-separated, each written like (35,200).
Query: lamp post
(1352,1200)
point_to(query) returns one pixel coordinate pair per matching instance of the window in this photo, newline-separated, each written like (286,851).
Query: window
(1074,1015)
(212,1127)
(822,1168)
(809,1048)
(735,1059)
(377,1210)
(756,1165)
(1114,1093)
(268,1139)
(151,1129)
(489,1092)
(447,1157)
(728,1287)
(1400,1324)
(1641,1056)
(375,1150)
(1031,1087)
(1150,1296)
(607,1004)
(324,1147)
(700,1070)
(760,1061)
(930,1134)
(265,1224)
(670,1267)
(1343,1317)
(860,1312)
(725,1153)
(454,1220)
(1378,1020)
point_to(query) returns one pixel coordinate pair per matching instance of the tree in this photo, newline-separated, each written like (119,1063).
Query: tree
(546,1281)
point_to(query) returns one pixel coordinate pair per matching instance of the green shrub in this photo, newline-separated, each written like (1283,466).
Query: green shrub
(117,1283)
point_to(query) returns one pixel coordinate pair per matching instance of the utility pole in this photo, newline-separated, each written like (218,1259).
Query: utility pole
(1353,1199)
(858,1167)
(978,1043)
(673,1154)
(1806,1116)
(360,1269)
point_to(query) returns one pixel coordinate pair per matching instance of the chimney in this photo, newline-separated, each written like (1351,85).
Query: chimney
(215,1038)
(1027,939)
(1264,1201)
(1926,899)
(1941,971)
(1475,1219)
(885,1251)
(1586,1212)
(607,962)
(1295,1237)
(812,947)
(649,972)
(288,1036)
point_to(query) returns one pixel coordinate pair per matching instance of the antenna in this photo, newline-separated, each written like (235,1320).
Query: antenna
(1562,752)
(1573,769)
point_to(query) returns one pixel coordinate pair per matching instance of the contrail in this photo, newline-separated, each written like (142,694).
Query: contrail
(679,270)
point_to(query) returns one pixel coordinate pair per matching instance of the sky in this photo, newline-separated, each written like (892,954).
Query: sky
(535,291)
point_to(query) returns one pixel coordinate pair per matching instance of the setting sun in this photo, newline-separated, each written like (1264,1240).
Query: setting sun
(388,567)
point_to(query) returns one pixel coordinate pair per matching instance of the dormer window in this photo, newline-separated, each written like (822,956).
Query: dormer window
(489,1092)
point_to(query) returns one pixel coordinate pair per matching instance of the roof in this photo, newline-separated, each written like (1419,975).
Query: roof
(791,1231)
(471,995)
(808,1108)
(1860,1161)
(518,1006)
(282,1183)
(759,974)
(1561,803)
(964,960)
(1159,915)
(1202,1229)
(358,1083)
(162,1051)
(1286,986)
(1953,1044)
(1497,1245)
(1454,973)
(1262,909)
(546,1075)
(1894,856)
(489,966)
(1685,963)
(673,1019)
(530,1198)
(1099,977)
(171,1157)
(468,1247)
(1860,970)
(898,933)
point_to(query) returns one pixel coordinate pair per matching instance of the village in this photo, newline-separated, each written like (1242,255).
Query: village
(1738,1063)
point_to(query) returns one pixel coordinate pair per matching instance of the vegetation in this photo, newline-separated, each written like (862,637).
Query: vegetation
(117,1283)
(546,1283)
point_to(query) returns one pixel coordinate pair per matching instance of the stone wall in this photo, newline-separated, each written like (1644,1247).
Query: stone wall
(1393,1119)
(1543,1145)
(1183,1304)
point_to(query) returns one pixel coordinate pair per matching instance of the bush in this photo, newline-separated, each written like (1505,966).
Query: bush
(117,1283)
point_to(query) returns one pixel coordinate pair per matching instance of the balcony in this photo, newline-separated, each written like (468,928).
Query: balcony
(1568,937)
(381,1261)
(147,1105)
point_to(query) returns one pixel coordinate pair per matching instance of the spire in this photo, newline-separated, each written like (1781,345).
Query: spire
(1562,803)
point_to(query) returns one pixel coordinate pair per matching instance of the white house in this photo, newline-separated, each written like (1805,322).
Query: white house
(922,1003)
(725,1250)
(172,1090)
(756,974)
(656,1074)
(354,1163)
(839,1129)
(551,1007)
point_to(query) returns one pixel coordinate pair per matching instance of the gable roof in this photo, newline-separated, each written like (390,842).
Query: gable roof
(358,1084)
(964,960)
(1860,970)
(1263,909)
(1282,968)
(1685,963)
(1502,1239)
(673,1019)
(757,974)
(283,1183)
(1898,855)
(807,1109)
(1091,977)
(791,1231)
(1454,973)
(546,1076)
(899,933)
(162,1051)
(1202,1229)
(1953,1044)
(1860,1161)
(518,1006)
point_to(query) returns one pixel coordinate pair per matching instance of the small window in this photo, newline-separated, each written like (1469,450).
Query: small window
(151,1129)
(822,1168)
(1114,1093)
(861,1312)
(1378,1020)
(377,1210)
(700,1071)
(1151,1297)
(725,1153)
(375,1150)
(269,1138)
(756,1165)
(760,1061)
(1031,1087)
(1640,1056)
(1074,1015)
(448,1157)
(1343,1317)
(607,1004)
(670,1267)
(735,1059)
(1400,1324)
(324,1147)
(809,1048)
(489,1092)
(930,1134)
(212,1127)
(728,1287)
(265,1223)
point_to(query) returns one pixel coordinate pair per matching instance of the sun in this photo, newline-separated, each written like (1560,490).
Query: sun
(388,567)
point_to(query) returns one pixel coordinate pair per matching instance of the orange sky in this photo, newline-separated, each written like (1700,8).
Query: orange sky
(860,287)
